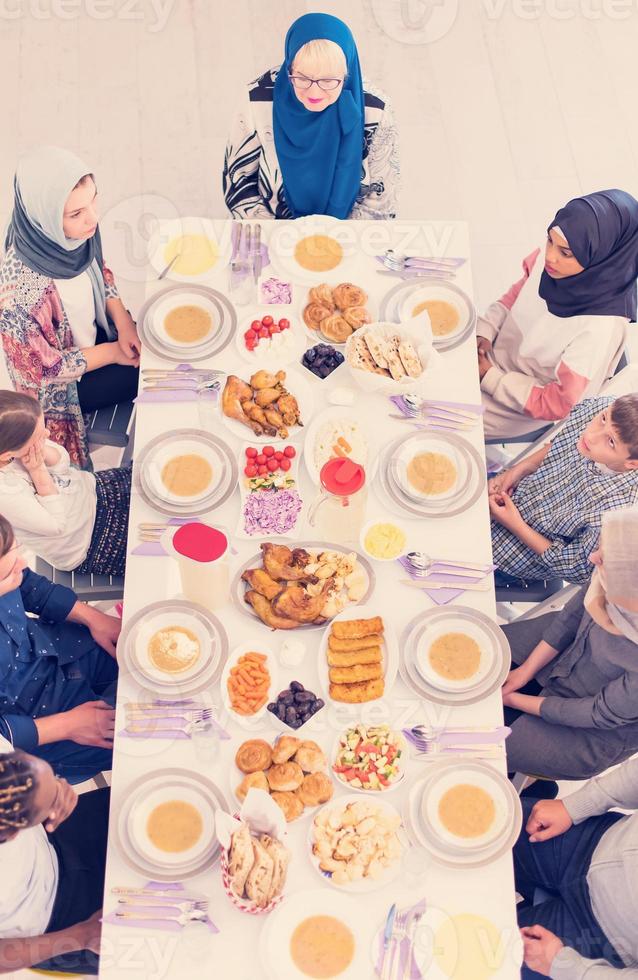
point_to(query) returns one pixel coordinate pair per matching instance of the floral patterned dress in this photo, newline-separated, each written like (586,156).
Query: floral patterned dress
(42,360)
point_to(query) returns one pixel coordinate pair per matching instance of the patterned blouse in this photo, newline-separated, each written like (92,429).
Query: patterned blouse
(252,180)
(564,500)
(38,346)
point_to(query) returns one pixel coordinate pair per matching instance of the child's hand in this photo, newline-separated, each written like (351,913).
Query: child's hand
(505,482)
(504,511)
(33,459)
(484,364)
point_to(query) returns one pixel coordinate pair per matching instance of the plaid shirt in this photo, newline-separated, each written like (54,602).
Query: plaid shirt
(564,500)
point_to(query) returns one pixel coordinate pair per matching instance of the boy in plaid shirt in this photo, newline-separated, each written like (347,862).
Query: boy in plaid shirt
(546,511)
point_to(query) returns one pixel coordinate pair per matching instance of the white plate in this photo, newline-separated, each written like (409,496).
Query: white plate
(460,775)
(347,417)
(389,652)
(476,632)
(159,313)
(438,291)
(285,237)
(141,812)
(280,925)
(293,472)
(164,453)
(247,721)
(297,385)
(370,793)
(364,884)
(282,348)
(218,232)
(407,453)
(163,620)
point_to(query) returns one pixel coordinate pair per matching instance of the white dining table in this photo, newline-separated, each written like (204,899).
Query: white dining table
(488,891)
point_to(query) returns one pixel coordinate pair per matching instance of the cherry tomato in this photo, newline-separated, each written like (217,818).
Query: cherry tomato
(255,325)
(279,456)
(251,452)
(261,459)
(262,470)
(268,451)
(285,464)
(273,464)
(250,470)
(264,333)
(250,334)
(267,321)
(284,323)
(251,344)
(290,452)
(274,329)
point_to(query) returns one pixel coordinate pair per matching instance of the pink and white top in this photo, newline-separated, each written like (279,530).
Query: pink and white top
(542,364)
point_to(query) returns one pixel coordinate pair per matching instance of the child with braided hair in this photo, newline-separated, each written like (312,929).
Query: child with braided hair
(52,860)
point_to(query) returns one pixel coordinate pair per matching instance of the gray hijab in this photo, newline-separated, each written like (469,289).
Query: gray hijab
(45,176)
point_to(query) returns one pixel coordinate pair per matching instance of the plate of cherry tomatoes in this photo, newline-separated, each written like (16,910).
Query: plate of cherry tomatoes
(271,338)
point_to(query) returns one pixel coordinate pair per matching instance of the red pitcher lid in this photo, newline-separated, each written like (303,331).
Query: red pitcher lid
(200,542)
(342,476)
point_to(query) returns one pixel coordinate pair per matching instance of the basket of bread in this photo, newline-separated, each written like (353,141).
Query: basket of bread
(254,861)
(391,358)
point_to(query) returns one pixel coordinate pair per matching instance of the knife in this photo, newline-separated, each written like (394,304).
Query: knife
(387,936)
(425,584)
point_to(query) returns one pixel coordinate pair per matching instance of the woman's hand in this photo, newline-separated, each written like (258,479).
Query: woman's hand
(540,947)
(483,345)
(505,482)
(505,512)
(516,679)
(91,932)
(530,704)
(549,818)
(92,723)
(63,806)
(127,336)
(119,356)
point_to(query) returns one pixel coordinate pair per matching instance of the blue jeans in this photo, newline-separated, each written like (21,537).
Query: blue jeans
(559,866)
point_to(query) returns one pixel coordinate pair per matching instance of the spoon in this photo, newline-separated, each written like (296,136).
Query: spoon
(423,562)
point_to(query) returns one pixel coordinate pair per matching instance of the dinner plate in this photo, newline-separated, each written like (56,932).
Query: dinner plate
(297,385)
(238,588)
(153,335)
(285,237)
(155,454)
(349,417)
(160,620)
(286,347)
(390,654)
(205,247)
(124,822)
(433,631)
(398,303)
(363,885)
(425,836)
(399,501)
(452,619)
(249,721)
(201,620)
(274,944)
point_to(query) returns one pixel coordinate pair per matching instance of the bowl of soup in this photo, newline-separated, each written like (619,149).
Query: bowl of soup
(173,825)
(431,470)
(183,471)
(448,310)
(171,647)
(455,655)
(184,320)
(465,807)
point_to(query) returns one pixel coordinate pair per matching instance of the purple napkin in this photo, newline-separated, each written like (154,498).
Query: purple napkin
(187,395)
(166,892)
(408,966)
(443,574)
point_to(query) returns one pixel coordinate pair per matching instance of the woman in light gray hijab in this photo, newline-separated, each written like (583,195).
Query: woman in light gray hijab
(68,340)
(572,697)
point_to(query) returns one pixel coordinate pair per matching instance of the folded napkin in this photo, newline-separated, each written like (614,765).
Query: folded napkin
(168,914)
(408,967)
(444,573)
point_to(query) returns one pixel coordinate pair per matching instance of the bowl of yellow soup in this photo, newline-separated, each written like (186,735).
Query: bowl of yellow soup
(465,807)
(171,648)
(173,825)
(455,655)
(184,320)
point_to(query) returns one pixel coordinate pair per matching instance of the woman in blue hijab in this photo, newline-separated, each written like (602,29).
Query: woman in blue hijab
(558,333)
(313,138)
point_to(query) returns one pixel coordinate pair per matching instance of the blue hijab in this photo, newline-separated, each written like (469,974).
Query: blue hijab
(320,153)
(602,232)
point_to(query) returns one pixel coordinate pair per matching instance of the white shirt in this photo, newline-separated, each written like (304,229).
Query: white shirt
(29,875)
(58,528)
(79,305)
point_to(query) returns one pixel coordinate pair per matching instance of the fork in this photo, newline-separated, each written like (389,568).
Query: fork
(424,736)
(416,405)
(213,385)
(421,565)
(198,726)
(399,933)
(442,422)
(394,260)
(199,374)
(165,902)
(197,915)
(197,714)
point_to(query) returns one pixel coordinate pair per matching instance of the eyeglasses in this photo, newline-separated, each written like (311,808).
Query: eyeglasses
(325,84)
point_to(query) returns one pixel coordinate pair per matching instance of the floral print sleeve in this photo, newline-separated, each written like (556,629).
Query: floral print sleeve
(378,196)
(110,288)
(31,348)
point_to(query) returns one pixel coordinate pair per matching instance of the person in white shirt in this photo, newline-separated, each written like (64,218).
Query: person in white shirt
(52,861)
(586,857)
(72,518)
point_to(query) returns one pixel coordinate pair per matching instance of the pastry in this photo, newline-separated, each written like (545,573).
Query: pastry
(290,804)
(359,357)
(316,788)
(356,316)
(348,645)
(345,658)
(284,748)
(322,294)
(357,693)
(253,755)
(355,674)
(335,328)
(375,345)
(391,354)
(410,359)
(280,856)
(310,757)
(260,876)
(357,628)
(315,313)
(240,858)
(284,778)
(254,780)
(346,294)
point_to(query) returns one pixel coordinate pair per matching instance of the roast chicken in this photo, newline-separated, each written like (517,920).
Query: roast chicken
(264,405)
